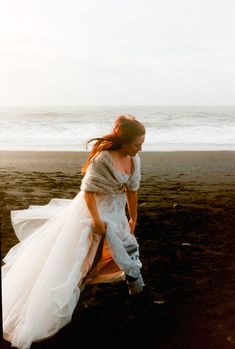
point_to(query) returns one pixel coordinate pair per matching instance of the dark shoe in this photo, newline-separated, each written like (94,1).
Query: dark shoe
(146,299)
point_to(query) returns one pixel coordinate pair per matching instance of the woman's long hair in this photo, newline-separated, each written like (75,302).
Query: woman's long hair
(126,129)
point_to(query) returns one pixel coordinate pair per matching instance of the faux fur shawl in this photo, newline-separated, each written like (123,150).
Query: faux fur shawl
(102,177)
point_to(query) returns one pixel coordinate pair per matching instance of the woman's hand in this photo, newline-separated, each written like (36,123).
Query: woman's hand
(132,224)
(99,227)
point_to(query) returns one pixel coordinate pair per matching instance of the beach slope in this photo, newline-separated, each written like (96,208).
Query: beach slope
(186,233)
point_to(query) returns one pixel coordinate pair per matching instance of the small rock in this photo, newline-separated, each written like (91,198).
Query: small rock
(175,205)
(231,340)
(159,302)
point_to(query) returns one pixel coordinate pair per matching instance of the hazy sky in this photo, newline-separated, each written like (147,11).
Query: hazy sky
(115,52)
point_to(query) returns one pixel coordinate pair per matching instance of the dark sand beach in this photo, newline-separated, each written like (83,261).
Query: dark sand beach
(186,233)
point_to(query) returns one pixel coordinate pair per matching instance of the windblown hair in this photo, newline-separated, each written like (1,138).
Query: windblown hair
(126,129)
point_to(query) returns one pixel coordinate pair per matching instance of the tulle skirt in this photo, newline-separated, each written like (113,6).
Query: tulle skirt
(45,272)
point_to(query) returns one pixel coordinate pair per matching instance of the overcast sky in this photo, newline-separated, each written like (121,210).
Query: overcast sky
(117,52)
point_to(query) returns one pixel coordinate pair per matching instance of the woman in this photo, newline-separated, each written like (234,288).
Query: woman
(70,243)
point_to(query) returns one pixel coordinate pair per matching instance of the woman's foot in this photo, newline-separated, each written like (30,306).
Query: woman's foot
(146,299)
(136,286)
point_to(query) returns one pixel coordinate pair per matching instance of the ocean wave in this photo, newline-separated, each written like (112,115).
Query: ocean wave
(68,128)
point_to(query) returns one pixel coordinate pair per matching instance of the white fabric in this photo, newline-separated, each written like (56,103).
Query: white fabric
(42,276)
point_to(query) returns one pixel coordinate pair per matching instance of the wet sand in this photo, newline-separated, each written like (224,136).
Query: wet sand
(186,232)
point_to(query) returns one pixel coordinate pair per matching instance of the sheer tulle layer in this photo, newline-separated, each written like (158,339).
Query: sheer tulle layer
(45,272)
(42,273)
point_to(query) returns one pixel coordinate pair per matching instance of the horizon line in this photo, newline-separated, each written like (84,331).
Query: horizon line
(116,105)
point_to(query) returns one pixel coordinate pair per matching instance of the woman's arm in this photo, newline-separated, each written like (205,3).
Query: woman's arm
(132,200)
(99,225)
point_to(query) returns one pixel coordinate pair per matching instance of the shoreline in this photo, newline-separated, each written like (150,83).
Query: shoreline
(5,154)
(160,150)
(190,165)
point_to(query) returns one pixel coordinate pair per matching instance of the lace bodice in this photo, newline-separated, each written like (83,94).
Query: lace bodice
(113,204)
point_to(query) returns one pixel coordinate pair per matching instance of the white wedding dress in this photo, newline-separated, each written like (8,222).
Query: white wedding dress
(45,272)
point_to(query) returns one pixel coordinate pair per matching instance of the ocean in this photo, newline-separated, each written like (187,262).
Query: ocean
(168,128)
